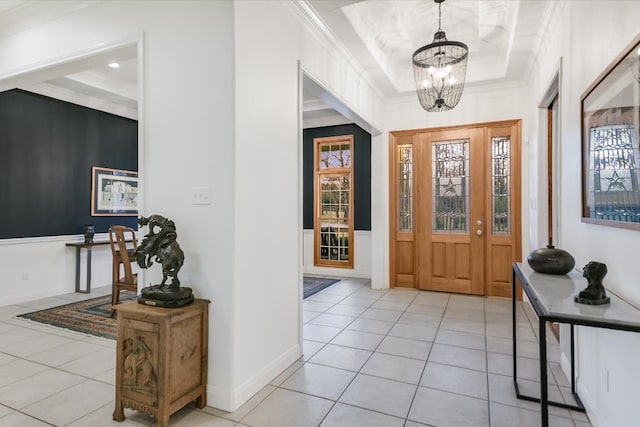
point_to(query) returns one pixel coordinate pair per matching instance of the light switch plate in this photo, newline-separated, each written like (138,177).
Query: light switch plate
(201,195)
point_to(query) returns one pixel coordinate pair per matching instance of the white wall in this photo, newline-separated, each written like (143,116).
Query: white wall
(267,198)
(333,70)
(270,248)
(219,108)
(41,267)
(586,53)
(187,138)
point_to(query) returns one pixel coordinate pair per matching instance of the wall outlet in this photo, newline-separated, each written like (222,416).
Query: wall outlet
(201,195)
(25,275)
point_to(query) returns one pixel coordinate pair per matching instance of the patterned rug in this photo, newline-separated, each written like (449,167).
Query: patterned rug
(313,285)
(90,316)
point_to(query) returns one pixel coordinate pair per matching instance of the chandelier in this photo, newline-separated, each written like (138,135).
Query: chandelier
(439,69)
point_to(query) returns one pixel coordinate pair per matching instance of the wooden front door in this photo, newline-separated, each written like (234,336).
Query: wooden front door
(450,201)
(455,214)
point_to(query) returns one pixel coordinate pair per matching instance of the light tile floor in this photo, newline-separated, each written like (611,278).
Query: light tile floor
(371,358)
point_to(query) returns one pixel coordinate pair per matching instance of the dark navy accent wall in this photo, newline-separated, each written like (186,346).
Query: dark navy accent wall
(47,149)
(361,171)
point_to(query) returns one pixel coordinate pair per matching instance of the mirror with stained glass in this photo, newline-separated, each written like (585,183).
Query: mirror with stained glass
(610,147)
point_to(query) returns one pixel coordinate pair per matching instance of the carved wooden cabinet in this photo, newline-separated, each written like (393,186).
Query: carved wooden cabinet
(161,358)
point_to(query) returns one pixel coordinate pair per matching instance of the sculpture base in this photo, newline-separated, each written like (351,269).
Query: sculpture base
(589,301)
(165,296)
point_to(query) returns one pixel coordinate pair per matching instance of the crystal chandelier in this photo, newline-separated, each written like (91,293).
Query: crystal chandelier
(439,69)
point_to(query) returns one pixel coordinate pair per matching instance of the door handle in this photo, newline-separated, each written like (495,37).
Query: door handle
(479,232)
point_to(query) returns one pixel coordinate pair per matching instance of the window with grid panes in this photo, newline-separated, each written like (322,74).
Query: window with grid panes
(333,201)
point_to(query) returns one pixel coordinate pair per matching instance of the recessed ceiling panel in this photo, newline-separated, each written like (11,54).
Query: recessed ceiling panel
(382,35)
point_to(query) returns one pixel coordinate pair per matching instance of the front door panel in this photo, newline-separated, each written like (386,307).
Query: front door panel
(450,191)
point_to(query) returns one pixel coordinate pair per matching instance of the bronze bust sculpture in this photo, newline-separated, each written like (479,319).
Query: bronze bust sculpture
(160,245)
(594,293)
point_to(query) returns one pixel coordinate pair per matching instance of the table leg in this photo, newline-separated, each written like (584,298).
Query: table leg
(573,364)
(514,331)
(77,269)
(89,269)
(88,289)
(201,401)
(544,398)
(118,412)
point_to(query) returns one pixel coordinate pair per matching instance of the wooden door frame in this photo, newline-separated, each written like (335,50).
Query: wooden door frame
(402,137)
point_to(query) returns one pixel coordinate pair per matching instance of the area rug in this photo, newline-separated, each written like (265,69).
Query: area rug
(314,285)
(90,316)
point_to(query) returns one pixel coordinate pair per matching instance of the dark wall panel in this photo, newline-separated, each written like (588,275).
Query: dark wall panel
(47,149)
(362,173)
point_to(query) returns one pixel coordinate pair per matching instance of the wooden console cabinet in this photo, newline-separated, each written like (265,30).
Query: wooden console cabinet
(161,358)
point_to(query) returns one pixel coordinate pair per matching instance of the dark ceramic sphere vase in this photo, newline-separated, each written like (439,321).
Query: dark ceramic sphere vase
(551,260)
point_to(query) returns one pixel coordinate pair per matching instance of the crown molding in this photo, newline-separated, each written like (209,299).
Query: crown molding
(316,25)
(32,13)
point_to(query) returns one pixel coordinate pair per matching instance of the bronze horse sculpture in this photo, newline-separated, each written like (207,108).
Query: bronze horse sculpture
(161,246)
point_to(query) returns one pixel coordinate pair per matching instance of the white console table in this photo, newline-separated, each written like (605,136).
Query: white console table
(552,298)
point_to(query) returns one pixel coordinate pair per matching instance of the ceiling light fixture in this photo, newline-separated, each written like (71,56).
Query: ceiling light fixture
(439,69)
(114,65)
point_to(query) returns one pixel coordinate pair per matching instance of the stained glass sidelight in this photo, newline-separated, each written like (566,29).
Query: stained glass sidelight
(405,188)
(334,218)
(450,186)
(614,170)
(500,184)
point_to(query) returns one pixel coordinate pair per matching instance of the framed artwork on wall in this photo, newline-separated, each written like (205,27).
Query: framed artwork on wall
(114,192)
(610,110)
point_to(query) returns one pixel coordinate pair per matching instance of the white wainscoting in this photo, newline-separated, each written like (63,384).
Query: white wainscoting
(361,263)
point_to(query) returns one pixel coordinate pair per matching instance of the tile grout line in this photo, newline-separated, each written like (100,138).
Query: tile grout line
(428,356)
(304,362)
(371,355)
(486,349)
(316,352)
(356,375)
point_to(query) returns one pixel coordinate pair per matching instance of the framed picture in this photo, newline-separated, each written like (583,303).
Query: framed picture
(610,110)
(114,192)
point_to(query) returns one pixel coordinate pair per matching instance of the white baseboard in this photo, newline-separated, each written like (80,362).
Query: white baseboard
(219,398)
(585,397)
(591,407)
(30,296)
(230,401)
